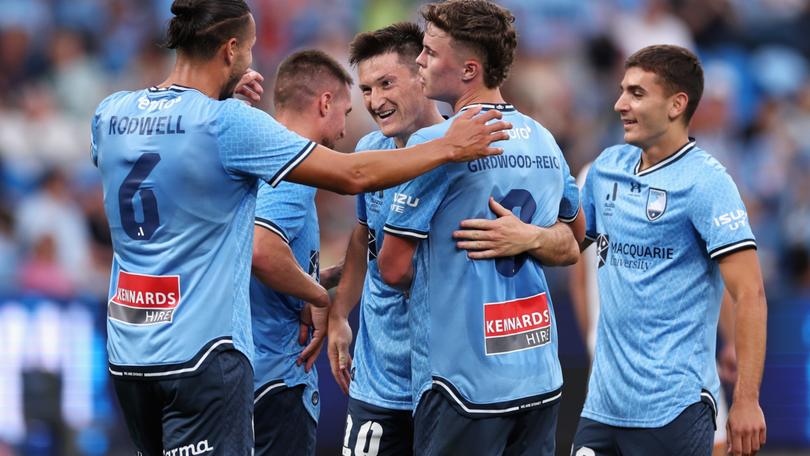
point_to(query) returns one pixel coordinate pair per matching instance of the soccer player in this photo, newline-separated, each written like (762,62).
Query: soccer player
(485,372)
(670,229)
(179,165)
(377,379)
(311,98)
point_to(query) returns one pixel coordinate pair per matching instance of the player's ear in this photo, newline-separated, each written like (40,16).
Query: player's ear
(231,49)
(678,104)
(325,103)
(472,68)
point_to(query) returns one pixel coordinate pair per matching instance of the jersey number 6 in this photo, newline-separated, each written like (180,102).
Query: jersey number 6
(140,231)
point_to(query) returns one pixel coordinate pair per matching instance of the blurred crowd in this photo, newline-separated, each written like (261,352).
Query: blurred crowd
(59,58)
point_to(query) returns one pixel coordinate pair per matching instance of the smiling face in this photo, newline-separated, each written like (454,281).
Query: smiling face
(646,110)
(392,94)
(440,67)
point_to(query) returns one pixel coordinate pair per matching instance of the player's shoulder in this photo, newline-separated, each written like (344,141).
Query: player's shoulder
(375,140)
(616,155)
(431,132)
(705,169)
(115,100)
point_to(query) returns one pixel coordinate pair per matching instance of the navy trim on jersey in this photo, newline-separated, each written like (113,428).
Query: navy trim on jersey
(705,394)
(292,164)
(569,219)
(503,107)
(173,88)
(473,410)
(733,247)
(680,153)
(362,222)
(165,371)
(590,237)
(405,232)
(264,223)
(271,387)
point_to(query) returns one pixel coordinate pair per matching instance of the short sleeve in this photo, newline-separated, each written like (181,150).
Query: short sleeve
(569,205)
(360,207)
(588,208)
(253,143)
(284,209)
(719,216)
(416,201)
(95,134)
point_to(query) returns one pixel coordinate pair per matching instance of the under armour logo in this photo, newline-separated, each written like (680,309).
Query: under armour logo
(635,187)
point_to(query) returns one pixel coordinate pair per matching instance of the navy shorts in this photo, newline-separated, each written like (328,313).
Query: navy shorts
(283,425)
(372,431)
(440,429)
(690,434)
(208,413)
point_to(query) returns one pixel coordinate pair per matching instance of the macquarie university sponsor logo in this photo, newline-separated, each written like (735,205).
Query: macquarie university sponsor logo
(142,299)
(201,447)
(656,203)
(516,325)
(602,248)
(733,220)
(636,256)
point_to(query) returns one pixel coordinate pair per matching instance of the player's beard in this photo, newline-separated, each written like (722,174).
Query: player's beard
(230,86)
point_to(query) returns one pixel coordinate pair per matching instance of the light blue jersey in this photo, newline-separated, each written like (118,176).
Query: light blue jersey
(483,332)
(288,211)
(657,233)
(179,172)
(382,352)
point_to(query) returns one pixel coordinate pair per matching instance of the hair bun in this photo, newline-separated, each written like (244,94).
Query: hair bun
(185,9)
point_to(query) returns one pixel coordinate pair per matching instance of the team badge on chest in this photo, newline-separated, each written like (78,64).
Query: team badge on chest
(656,204)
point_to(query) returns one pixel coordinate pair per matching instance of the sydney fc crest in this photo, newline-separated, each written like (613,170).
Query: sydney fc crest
(656,204)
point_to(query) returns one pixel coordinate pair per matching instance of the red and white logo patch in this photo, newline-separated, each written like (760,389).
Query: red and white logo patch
(142,299)
(516,325)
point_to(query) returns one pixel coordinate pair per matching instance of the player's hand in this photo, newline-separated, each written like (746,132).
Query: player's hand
(502,237)
(316,318)
(330,277)
(745,429)
(340,338)
(250,86)
(727,364)
(470,136)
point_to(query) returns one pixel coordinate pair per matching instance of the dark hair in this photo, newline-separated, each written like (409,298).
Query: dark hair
(484,27)
(678,68)
(402,38)
(200,27)
(306,74)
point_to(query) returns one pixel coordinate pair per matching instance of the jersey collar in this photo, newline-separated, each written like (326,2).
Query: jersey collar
(503,107)
(680,153)
(173,88)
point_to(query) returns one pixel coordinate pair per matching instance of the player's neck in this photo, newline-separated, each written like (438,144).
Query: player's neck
(479,94)
(202,76)
(299,124)
(666,145)
(430,116)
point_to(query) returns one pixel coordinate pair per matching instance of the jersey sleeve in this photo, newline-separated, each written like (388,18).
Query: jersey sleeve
(416,201)
(94,129)
(360,208)
(283,210)
(252,143)
(719,216)
(588,206)
(569,205)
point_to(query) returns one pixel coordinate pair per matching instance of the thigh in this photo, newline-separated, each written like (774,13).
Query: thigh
(534,432)
(142,408)
(690,434)
(211,412)
(594,439)
(439,429)
(372,430)
(283,425)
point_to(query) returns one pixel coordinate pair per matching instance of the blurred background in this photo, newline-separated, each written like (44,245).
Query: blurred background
(59,58)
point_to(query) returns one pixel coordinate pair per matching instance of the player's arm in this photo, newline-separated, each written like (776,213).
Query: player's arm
(346,299)
(577,288)
(727,358)
(468,138)
(275,266)
(743,278)
(330,277)
(396,261)
(507,235)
